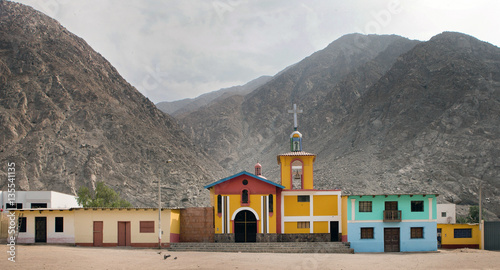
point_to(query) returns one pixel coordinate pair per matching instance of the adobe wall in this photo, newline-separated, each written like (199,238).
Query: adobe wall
(197,224)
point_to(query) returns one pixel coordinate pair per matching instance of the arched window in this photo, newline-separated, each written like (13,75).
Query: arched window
(270,203)
(219,204)
(296,174)
(244,196)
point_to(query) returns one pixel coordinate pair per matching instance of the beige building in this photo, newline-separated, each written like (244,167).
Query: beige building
(108,227)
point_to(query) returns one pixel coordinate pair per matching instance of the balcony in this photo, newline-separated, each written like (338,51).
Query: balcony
(392,216)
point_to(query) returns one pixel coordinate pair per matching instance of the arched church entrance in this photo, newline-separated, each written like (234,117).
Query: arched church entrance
(245,227)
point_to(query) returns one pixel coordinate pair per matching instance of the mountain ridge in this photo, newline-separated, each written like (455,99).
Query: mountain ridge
(188,105)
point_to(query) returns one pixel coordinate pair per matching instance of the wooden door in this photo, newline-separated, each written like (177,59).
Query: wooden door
(98,226)
(391,239)
(40,229)
(123,233)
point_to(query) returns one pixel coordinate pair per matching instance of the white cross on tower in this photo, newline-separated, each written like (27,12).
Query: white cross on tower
(295,112)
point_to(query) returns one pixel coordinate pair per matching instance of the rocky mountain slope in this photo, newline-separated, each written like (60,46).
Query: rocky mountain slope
(188,105)
(384,114)
(69,119)
(257,125)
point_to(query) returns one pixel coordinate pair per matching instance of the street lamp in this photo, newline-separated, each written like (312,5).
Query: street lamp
(159,211)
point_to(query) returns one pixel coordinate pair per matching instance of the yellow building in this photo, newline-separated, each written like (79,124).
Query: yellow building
(306,210)
(459,235)
(107,227)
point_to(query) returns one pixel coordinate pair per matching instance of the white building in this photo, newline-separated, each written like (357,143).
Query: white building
(38,199)
(446,213)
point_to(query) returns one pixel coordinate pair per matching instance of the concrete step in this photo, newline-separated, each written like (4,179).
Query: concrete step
(263,244)
(265,247)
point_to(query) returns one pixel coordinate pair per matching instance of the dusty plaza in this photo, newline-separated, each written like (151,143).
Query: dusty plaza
(66,257)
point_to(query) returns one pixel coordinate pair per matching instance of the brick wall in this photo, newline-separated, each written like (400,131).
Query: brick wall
(197,224)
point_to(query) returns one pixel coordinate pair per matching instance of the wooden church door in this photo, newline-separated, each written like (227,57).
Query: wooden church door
(245,227)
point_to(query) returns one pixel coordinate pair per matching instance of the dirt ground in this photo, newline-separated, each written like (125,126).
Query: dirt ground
(64,257)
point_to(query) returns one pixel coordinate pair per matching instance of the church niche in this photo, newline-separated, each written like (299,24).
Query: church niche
(297,174)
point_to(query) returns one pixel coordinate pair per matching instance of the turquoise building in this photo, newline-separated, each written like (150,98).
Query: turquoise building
(392,223)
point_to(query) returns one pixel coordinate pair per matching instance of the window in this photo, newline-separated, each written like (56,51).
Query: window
(366,233)
(417,206)
(13,206)
(147,226)
(303,198)
(219,204)
(296,174)
(271,204)
(22,224)
(38,205)
(245,182)
(417,232)
(463,233)
(59,224)
(443,214)
(365,206)
(303,225)
(391,206)
(244,196)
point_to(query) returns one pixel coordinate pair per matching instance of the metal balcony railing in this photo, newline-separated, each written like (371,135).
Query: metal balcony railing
(392,215)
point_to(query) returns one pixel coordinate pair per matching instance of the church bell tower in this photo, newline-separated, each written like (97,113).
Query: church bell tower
(296,165)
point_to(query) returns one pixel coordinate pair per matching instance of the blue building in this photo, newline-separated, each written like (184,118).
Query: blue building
(392,223)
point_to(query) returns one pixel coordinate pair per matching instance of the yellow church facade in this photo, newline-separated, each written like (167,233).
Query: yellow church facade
(250,208)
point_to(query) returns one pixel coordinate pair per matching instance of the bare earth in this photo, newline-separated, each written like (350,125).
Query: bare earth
(64,257)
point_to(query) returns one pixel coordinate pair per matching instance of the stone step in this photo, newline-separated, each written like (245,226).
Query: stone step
(260,243)
(262,247)
(265,247)
(278,244)
(259,246)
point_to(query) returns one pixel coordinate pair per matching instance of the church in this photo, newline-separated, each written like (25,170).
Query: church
(250,208)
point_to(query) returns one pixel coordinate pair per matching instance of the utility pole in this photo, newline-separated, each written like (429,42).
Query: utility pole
(159,210)
(480,205)
(481,231)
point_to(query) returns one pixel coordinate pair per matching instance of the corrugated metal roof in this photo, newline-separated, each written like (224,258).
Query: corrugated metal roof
(39,209)
(95,208)
(128,208)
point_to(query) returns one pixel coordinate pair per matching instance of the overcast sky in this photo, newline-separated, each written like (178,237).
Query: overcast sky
(171,50)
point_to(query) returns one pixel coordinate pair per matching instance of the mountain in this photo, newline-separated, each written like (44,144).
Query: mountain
(256,126)
(192,104)
(68,119)
(384,114)
(431,123)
